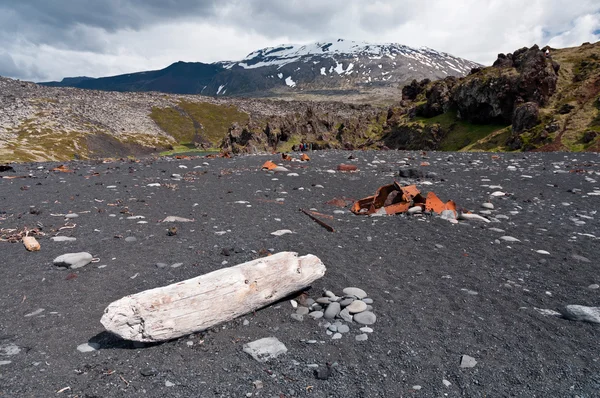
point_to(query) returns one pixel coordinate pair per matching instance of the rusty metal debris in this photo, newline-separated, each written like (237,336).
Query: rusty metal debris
(269,165)
(340,202)
(63,169)
(394,199)
(347,167)
(320,222)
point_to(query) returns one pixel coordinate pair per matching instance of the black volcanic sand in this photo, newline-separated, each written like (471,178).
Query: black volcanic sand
(428,314)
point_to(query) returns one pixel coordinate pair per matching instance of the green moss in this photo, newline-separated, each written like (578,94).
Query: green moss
(34,144)
(286,146)
(460,133)
(175,123)
(191,121)
(215,119)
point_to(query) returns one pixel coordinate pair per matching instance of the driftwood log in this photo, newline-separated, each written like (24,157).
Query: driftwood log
(196,304)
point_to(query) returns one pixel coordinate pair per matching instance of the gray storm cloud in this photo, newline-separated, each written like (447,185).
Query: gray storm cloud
(50,39)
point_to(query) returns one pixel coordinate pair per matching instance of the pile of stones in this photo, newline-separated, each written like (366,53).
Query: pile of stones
(337,312)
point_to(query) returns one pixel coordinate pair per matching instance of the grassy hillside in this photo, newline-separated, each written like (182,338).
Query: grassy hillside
(198,122)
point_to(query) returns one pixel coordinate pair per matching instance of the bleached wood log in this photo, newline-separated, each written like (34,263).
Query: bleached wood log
(196,304)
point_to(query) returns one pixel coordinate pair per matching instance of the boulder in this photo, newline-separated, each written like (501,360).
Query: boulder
(525,117)
(492,94)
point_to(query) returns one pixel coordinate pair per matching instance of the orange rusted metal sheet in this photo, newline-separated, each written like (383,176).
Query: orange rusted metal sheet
(269,165)
(396,208)
(347,167)
(434,203)
(394,199)
(362,206)
(63,169)
(304,157)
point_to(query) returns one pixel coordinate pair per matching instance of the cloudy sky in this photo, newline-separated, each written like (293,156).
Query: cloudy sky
(50,39)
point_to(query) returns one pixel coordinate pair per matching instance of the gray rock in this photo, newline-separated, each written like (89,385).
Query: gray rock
(176,219)
(264,349)
(317,307)
(343,328)
(354,291)
(130,239)
(365,318)
(361,337)
(580,258)
(73,260)
(356,307)
(146,372)
(169,384)
(346,302)
(329,294)
(176,265)
(71,216)
(2,363)
(63,239)
(161,265)
(297,317)
(345,315)
(316,314)
(302,311)
(336,336)
(366,329)
(594,286)
(333,328)
(467,361)
(323,300)
(332,310)
(367,300)
(9,350)
(487,205)
(582,313)
(88,347)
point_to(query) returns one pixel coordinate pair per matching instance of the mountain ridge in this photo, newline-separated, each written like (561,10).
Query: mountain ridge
(325,68)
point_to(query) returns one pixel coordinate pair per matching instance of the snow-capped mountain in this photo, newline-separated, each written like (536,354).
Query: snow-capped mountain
(336,67)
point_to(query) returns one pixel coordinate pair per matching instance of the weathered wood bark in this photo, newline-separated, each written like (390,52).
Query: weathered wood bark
(196,304)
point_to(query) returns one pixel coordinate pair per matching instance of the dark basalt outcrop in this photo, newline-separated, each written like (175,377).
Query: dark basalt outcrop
(438,98)
(525,117)
(492,94)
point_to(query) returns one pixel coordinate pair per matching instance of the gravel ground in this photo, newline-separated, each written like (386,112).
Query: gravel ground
(439,290)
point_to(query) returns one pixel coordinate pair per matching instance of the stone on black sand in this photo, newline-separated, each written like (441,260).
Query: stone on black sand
(323,373)
(332,310)
(361,337)
(365,318)
(582,313)
(467,361)
(73,260)
(146,372)
(356,292)
(265,349)
(357,306)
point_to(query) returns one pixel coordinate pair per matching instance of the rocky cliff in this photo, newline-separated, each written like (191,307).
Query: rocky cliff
(527,100)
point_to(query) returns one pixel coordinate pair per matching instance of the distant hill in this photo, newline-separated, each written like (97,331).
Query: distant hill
(330,68)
